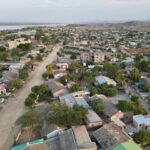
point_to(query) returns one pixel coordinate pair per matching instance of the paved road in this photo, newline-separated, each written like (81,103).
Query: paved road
(15,106)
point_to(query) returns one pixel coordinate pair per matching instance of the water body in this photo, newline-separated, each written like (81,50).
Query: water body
(13,27)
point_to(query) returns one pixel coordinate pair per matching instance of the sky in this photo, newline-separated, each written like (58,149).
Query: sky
(73,11)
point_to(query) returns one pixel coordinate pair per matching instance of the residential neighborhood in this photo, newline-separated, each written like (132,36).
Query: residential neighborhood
(69,88)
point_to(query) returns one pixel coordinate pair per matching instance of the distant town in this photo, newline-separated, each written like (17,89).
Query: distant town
(75,87)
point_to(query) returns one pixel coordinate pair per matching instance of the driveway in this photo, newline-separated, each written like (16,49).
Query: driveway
(14,107)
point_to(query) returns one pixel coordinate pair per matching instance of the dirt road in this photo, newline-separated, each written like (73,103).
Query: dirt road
(15,106)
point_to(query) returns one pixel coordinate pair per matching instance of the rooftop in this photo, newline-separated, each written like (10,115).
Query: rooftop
(130,145)
(142,119)
(70,100)
(110,135)
(91,116)
(82,137)
(56,86)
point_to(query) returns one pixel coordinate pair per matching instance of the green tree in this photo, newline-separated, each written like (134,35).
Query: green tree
(3,56)
(134,98)
(124,106)
(23,73)
(29,119)
(73,56)
(142,137)
(25,47)
(29,101)
(49,69)
(39,57)
(75,88)
(96,70)
(94,91)
(135,75)
(97,105)
(111,70)
(65,116)
(14,84)
(143,88)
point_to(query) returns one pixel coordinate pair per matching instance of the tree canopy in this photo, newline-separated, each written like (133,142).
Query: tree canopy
(142,137)
(65,116)
(29,119)
(97,105)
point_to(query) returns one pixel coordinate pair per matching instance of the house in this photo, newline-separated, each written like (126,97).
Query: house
(8,75)
(57,88)
(98,57)
(98,96)
(25,60)
(134,51)
(127,146)
(2,89)
(85,57)
(63,66)
(72,99)
(17,42)
(82,138)
(75,138)
(103,79)
(110,135)
(111,112)
(16,67)
(59,73)
(34,52)
(141,121)
(92,119)
(81,94)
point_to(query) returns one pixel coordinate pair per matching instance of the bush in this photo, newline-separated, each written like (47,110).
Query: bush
(97,105)
(39,57)
(23,74)
(14,84)
(29,119)
(45,76)
(29,101)
(143,87)
(134,107)
(75,88)
(134,98)
(142,137)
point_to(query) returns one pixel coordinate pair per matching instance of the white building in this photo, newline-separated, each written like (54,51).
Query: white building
(141,122)
(103,79)
(17,42)
(15,67)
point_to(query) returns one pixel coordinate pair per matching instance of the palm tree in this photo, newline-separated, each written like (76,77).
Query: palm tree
(49,69)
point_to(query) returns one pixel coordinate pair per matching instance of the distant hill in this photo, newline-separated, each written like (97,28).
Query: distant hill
(136,23)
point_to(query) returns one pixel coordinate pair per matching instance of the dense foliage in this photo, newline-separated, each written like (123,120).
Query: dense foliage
(65,116)
(142,137)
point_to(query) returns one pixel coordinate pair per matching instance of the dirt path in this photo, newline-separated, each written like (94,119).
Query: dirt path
(15,106)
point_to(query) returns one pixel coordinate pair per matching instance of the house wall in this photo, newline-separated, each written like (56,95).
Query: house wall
(117,115)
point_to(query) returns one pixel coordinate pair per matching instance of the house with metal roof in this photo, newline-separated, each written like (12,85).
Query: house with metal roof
(110,135)
(57,88)
(141,121)
(103,79)
(75,138)
(92,119)
(71,100)
(129,145)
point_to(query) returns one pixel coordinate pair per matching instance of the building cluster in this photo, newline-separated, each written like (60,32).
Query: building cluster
(89,49)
